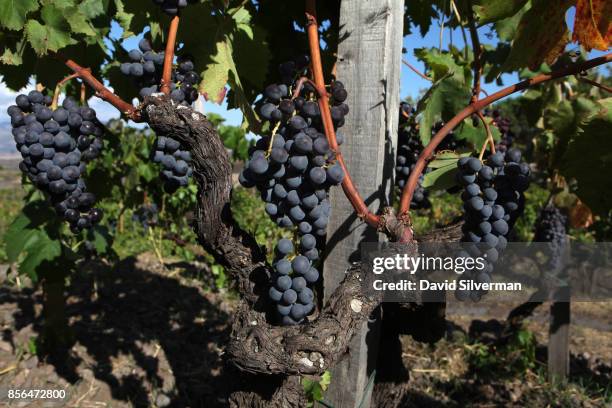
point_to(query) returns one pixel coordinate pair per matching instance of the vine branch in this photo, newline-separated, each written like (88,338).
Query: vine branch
(429,150)
(413,68)
(102,92)
(58,89)
(317,71)
(594,83)
(477,65)
(169,55)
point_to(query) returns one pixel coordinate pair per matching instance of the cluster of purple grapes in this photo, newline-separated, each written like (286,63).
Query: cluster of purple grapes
(410,147)
(293,169)
(503,124)
(551,227)
(172,7)
(55,145)
(175,161)
(493,199)
(146,70)
(147,215)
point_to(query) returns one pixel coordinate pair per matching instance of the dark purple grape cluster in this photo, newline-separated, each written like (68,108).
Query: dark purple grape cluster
(493,198)
(146,69)
(410,147)
(172,7)
(551,227)
(176,163)
(55,145)
(503,124)
(293,169)
(450,142)
(146,215)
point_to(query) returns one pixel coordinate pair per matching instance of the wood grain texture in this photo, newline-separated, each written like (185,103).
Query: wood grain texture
(369,65)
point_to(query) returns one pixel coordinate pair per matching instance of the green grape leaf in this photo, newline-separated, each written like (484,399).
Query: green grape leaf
(216,73)
(442,101)
(443,64)
(40,248)
(17,237)
(588,160)
(51,36)
(445,158)
(541,36)
(147,172)
(80,25)
(476,135)
(60,4)
(93,8)
(123,18)
(101,238)
(13,55)
(419,13)
(488,11)
(506,28)
(441,178)
(13,13)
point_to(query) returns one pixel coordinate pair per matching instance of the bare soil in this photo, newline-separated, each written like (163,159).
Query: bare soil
(146,335)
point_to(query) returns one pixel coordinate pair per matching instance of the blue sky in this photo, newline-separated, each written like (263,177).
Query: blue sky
(411,84)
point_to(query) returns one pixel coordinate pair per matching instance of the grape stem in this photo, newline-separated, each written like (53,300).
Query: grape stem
(58,89)
(416,71)
(361,209)
(169,55)
(101,91)
(489,139)
(272,139)
(83,94)
(429,150)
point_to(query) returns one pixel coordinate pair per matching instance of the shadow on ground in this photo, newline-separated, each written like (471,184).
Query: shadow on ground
(141,332)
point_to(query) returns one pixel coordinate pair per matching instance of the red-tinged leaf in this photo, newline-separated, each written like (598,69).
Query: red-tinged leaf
(216,98)
(580,215)
(593,24)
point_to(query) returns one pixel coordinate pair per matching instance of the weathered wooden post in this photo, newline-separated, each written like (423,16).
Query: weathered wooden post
(369,64)
(559,329)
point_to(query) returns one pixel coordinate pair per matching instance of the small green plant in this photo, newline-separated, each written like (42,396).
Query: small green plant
(510,358)
(314,389)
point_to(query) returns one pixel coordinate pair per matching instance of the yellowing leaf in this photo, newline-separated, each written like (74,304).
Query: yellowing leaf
(593,24)
(216,74)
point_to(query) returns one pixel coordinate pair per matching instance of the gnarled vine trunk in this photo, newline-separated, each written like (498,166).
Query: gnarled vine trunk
(283,353)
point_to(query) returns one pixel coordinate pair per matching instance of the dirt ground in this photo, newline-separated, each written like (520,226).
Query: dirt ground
(150,336)
(144,337)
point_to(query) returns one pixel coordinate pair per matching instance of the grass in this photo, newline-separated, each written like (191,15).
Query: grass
(10,206)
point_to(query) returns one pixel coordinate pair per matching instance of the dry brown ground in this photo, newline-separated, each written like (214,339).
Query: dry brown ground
(148,336)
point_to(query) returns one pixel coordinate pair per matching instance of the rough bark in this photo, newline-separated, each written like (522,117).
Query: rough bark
(256,346)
